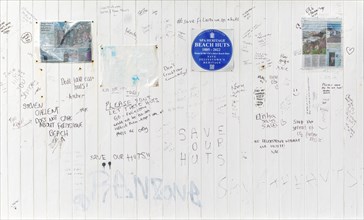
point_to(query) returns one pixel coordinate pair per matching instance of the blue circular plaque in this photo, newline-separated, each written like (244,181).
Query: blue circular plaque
(212,50)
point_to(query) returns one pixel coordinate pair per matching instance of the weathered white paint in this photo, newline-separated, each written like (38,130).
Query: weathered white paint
(209,117)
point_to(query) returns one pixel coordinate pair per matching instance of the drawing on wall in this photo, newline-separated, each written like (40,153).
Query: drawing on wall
(321,43)
(65,41)
(212,50)
(129,65)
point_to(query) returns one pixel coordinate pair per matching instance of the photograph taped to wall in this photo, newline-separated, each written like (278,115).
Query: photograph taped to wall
(65,41)
(212,50)
(321,43)
(129,66)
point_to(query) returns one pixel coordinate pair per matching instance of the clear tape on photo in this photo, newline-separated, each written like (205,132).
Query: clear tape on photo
(129,66)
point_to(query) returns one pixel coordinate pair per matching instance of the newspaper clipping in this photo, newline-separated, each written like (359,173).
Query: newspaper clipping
(321,40)
(65,41)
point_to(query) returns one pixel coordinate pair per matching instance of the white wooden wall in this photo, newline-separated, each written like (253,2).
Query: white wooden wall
(204,134)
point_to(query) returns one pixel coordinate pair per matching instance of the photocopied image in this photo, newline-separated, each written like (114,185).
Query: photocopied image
(65,41)
(321,43)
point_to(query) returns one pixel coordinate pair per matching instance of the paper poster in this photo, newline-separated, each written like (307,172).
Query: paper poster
(129,65)
(212,50)
(65,41)
(321,43)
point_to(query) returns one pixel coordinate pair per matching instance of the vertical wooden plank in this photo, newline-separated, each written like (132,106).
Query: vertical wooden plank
(117,142)
(27,126)
(337,171)
(183,10)
(168,59)
(274,60)
(323,123)
(298,114)
(4,200)
(350,102)
(53,147)
(310,139)
(156,123)
(311,144)
(282,82)
(80,83)
(142,127)
(194,131)
(40,133)
(360,111)
(246,109)
(259,106)
(86,201)
(130,139)
(65,108)
(103,176)
(208,185)
(220,117)
(233,90)
(14,115)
